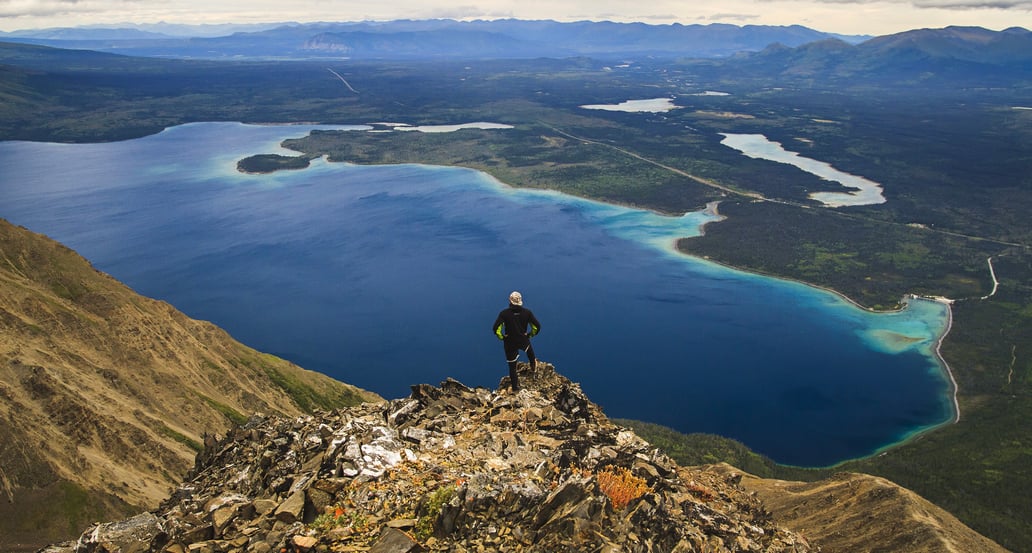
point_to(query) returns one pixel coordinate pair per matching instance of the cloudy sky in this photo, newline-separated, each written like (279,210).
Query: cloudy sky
(875,17)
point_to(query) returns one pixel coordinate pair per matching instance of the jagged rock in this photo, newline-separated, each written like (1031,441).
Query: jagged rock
(138,534)
(395,541)
(264,506)
(402,523)
(64,547)
(459,469)
(291,509)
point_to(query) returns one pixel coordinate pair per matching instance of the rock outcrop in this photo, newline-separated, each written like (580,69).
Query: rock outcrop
(449,468)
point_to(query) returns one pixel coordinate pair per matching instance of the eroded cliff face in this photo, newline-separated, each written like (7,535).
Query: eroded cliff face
(105,395)
(450,468)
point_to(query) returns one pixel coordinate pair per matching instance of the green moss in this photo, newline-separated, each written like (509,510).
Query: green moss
(230,413)
(75,500)
(431,510)
(181,438)
(212,366)
(71,505)
(306,396)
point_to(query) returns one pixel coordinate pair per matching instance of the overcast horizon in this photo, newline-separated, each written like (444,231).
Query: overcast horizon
(854,17)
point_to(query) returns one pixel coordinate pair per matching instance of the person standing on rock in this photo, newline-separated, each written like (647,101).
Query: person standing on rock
(511,327)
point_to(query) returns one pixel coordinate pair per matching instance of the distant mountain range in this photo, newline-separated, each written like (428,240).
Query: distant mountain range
(960,55)
(434,39)
(953,56)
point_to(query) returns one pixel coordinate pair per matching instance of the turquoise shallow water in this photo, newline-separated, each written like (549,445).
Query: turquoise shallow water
(391,275)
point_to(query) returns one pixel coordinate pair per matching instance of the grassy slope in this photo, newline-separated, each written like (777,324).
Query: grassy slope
(106,394)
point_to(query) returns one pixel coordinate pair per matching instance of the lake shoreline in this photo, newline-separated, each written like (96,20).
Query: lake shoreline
(954,388)
(712,209)
(671,225)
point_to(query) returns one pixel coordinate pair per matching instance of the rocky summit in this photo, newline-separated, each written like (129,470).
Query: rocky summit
(449,468)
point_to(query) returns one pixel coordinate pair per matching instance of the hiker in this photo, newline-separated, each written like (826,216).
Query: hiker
(511,329)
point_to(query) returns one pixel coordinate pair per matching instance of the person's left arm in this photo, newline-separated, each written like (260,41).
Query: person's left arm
(535,326)
(499,327)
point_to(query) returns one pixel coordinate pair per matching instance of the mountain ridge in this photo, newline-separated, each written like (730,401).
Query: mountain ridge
(107,395)
(951,56)
(443,39)
(802,506)
(453,468)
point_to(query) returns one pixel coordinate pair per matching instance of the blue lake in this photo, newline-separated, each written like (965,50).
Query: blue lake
(388,276)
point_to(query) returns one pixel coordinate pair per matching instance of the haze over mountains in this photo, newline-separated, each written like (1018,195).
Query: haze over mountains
(440,39)
(953,56)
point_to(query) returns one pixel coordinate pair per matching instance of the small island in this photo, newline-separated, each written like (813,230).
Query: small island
(270,163)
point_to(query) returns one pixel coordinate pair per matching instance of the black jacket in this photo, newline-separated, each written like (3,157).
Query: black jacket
(513,321)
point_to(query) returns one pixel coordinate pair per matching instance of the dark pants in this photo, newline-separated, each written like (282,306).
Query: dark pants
(513,345)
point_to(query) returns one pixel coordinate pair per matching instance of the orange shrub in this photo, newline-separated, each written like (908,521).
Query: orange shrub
(621,487)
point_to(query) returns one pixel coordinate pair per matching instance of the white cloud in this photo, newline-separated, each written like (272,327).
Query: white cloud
(1018,5)
(729,17)
(40,8)
(1025,5)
